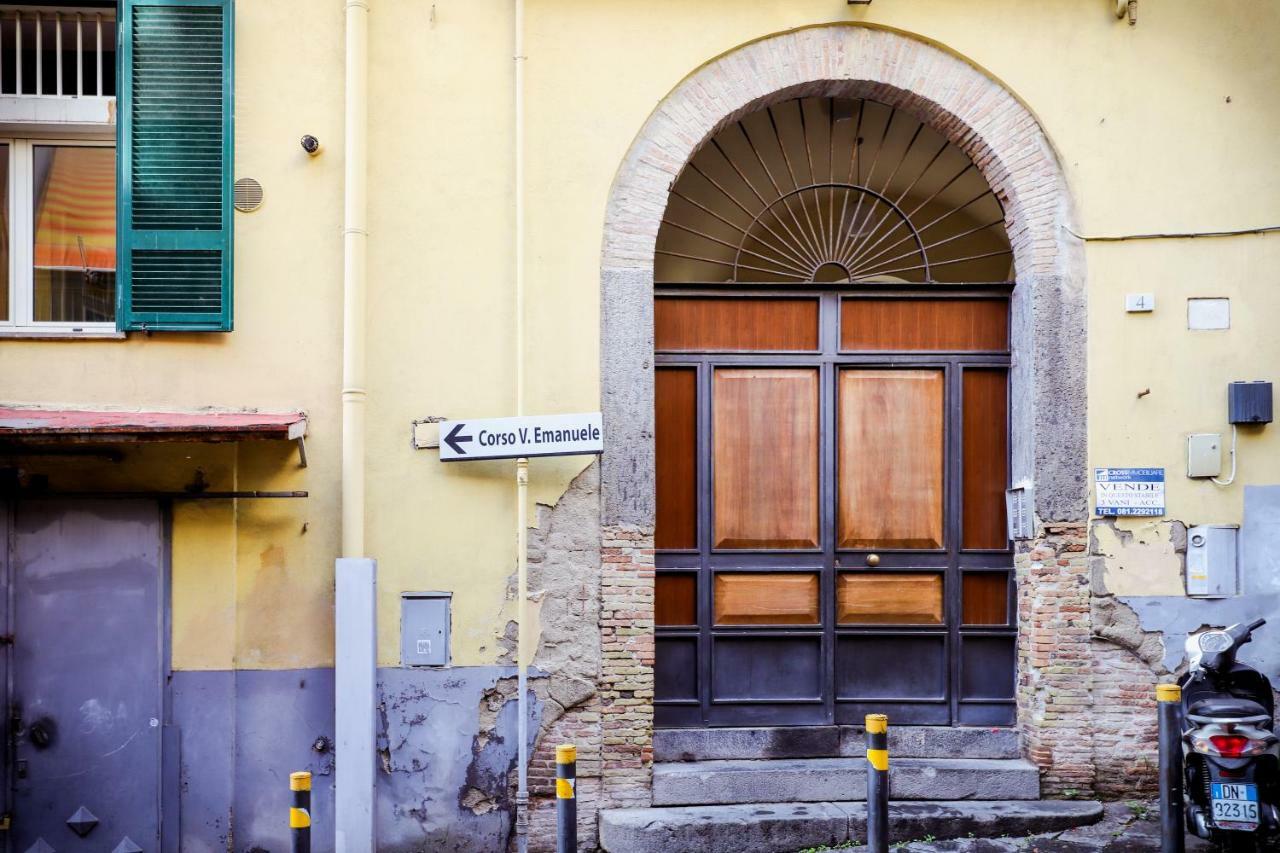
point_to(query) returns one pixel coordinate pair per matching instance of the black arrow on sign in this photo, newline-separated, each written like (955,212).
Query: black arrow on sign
(456,441)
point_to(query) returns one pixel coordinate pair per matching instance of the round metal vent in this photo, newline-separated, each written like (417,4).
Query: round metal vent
(248,195)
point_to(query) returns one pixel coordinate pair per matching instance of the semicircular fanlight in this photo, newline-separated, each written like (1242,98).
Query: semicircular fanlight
(831,190)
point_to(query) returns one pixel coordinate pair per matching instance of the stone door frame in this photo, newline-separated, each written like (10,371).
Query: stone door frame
(1048,380)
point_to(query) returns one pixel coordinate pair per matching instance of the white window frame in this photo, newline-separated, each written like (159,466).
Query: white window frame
(21,322)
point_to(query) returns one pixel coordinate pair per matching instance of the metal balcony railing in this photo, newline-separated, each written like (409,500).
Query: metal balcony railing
(61,52)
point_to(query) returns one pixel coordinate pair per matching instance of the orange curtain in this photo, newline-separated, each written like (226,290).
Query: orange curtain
(76,219)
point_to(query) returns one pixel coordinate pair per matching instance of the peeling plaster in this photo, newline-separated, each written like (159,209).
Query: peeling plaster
(1140,556)
(1175,616)
(447,778)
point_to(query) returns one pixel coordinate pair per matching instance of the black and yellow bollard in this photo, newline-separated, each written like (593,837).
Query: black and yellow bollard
(877,783)
(300,811)
(566,798)
(1169,708)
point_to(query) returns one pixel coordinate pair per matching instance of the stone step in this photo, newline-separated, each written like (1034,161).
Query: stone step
(830,742)
(816,780)
(787,827)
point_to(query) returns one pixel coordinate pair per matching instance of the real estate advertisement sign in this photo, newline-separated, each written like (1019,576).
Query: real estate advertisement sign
(1129,491)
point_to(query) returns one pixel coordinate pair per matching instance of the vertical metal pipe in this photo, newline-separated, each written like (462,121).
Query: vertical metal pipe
(17,49)
(79,55)
(355,239)
(522,465)
(57,48)
(1169,708)
(566,798)
(300,811)
(522,671)
(354,827)
(98,20)
(877,783)
(39,54)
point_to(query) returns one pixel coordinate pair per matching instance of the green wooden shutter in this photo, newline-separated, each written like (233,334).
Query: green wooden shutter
(175,164)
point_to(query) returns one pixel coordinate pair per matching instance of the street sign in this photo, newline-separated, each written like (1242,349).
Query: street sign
(512,438)
(1129,491)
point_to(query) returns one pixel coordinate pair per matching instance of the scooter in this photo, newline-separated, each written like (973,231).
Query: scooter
(1230,752)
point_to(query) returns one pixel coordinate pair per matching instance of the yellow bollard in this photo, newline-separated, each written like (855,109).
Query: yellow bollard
(300,811)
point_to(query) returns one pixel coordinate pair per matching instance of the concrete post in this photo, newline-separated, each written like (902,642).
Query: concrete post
(355,688)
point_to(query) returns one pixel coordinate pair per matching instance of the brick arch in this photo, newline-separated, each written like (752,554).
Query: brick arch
(1009,147)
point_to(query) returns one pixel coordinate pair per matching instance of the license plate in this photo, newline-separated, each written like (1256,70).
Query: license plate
(1235,806)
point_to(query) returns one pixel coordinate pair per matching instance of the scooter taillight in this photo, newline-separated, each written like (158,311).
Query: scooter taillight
(1234,746)
(1229,745)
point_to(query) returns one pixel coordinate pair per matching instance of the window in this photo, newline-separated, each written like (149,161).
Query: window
(59,237)
(68,266)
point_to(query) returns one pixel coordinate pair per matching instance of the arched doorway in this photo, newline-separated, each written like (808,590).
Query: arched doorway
(831,324)
(1047,384)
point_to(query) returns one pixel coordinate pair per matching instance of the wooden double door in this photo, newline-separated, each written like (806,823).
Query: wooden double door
(831,536)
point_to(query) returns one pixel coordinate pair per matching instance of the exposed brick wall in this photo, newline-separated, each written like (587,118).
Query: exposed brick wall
(1055,658)
(580,727)
(1123,716)
(613,727)
(626,671)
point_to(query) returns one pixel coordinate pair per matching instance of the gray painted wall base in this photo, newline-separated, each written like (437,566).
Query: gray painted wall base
(445,745)
(1175,616)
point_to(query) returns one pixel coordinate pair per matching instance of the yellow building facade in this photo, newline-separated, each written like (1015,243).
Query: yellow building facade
(1159,131)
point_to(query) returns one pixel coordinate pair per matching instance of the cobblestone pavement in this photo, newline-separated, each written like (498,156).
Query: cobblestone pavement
(1131,826)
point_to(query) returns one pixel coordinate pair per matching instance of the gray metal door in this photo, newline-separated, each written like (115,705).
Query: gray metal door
(84,582)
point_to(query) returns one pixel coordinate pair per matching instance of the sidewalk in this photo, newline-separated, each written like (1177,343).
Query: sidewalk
(1128,826)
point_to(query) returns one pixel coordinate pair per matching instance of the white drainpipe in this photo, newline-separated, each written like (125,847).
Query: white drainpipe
(522,465)
(354,242)
(355,609)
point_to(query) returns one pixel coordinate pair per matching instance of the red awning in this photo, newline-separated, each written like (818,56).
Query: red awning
(75,424)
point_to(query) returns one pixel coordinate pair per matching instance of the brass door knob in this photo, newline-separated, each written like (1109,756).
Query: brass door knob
(873,560)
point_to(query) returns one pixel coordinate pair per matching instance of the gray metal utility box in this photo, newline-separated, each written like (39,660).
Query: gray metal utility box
(1249,402)
(1212,560)
(424,628)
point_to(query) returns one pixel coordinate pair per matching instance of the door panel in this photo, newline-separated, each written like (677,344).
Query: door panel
(675,439)
(930,325)
(890,458)
(986,457)
(765,458)
(718,323)
(746,668)
(760,598)
(85,583)
(986,598)
(675,598)
(830,524)
(891,666)
(889,598)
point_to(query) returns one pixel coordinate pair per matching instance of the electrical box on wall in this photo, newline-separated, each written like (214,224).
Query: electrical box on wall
(1249,402)
(1212,560)
(1204,454)
(424,628)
